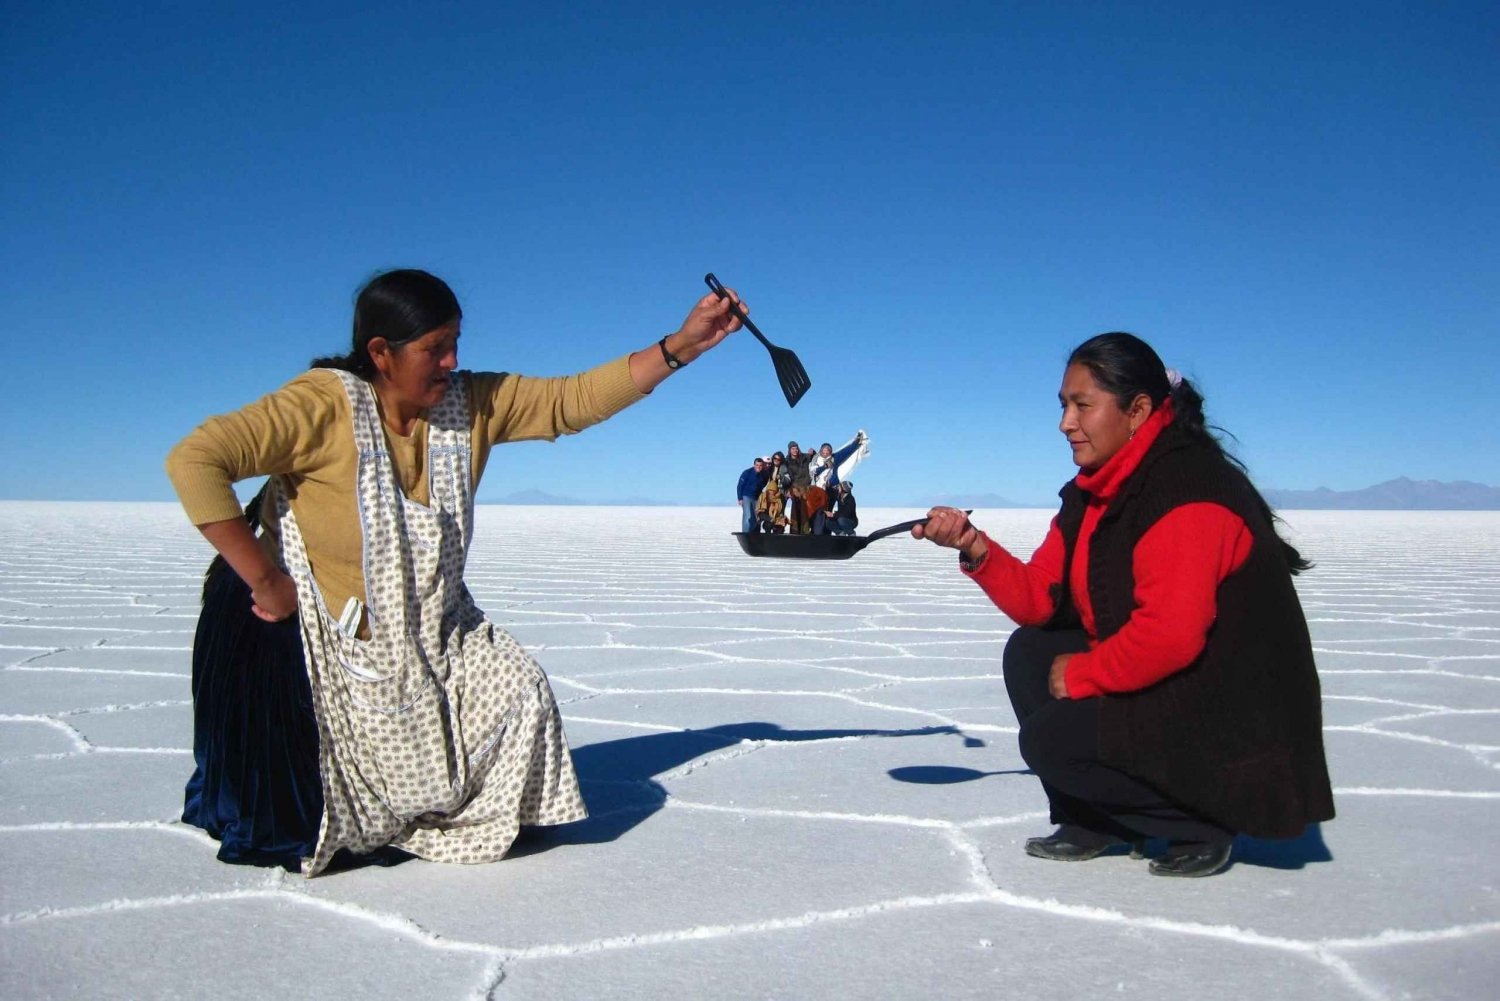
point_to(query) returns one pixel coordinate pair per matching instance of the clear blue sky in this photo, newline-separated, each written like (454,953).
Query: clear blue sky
(931,203)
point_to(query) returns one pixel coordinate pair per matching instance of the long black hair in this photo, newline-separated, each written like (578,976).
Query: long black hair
(1125,366)
(400,306)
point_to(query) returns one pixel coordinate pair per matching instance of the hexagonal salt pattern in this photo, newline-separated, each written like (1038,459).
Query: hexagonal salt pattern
(802,776)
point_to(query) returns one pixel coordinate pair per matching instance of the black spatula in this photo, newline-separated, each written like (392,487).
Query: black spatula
(789,371)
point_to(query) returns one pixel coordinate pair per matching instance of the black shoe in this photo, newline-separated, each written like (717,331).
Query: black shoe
(1071,843)
(1196,858)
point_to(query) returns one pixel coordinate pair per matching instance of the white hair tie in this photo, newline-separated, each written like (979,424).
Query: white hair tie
(1174,378)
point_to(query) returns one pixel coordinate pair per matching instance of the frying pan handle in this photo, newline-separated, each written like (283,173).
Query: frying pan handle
(905,526)
(734,307)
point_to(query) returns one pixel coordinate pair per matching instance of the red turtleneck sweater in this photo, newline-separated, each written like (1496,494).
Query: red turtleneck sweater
(1178,564)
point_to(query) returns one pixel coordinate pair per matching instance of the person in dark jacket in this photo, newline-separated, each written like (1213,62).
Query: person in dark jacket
(1163,674)
(845,514)
(752,481)
(799,474)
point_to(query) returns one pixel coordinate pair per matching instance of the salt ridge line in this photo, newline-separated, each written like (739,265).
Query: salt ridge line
(631,724)
(1477,750)
(757,634)
(52,627)
(387,922)
(1310,950)
(1395,702)
(1418,626)
(1431,713)
(182,751)
(409,928)
(122,707)
(63,755)
(1393,936)
(840,696)
(715,658)
(676,802)
(1397,654)
(80,743)
(92,670)
(807,664)
(1399,791)
(1405,672)
(168,826)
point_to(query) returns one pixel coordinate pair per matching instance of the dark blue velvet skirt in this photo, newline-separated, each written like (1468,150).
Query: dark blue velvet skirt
(255,739)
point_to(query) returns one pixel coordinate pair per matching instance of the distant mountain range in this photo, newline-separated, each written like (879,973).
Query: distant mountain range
(1400,494)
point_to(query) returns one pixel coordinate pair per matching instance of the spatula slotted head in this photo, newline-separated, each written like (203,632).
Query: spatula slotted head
(789,371)
(791,375)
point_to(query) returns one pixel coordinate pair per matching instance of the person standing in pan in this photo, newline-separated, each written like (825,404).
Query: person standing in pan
(408,719)
(1163,674)
(817,498)
(827,468)
(770,506)
(747,491)
(799,474)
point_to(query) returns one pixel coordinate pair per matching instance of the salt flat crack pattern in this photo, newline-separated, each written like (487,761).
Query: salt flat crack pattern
(802,777)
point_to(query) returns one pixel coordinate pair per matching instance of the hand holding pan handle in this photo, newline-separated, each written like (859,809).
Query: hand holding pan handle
(817,547)
(905,526)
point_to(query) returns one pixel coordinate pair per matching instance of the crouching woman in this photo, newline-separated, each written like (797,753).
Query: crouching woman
(1163,676)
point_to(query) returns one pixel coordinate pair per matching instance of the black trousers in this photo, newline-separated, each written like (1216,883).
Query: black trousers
(1060,743)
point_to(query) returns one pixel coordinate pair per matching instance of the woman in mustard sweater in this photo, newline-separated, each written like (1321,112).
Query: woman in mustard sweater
(348,695)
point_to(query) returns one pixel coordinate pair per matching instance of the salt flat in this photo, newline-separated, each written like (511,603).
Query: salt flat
(803,780)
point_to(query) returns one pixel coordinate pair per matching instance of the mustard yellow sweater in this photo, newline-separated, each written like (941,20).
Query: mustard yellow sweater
(304,433)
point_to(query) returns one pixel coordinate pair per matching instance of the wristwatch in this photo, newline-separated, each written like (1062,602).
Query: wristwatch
(673,362)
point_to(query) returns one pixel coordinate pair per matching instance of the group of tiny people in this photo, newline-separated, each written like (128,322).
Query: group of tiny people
(802,493)
(349,698)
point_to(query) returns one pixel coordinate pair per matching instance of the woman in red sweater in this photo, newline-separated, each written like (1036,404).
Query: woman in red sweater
(1163,675)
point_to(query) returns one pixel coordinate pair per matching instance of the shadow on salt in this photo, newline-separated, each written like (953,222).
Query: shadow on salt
(617,776)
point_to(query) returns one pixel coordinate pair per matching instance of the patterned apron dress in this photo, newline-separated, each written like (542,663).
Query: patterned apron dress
(439,734)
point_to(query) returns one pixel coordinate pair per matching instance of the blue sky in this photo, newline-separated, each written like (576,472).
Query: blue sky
(930,203)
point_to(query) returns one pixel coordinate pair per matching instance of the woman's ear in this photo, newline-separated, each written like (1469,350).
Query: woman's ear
(1140,411)
(380,354)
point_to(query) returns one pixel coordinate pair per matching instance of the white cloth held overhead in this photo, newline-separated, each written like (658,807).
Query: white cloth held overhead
(830,472)
(853,452)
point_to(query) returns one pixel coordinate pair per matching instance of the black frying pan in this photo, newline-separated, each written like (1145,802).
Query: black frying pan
(816,547)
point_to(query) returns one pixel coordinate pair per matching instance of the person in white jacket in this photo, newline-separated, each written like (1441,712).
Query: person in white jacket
(828,468)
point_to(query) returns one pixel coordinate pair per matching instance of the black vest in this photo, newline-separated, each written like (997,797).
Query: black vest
(1237,735)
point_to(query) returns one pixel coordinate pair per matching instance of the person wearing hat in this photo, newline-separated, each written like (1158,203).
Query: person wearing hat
(845,517)
(799,470)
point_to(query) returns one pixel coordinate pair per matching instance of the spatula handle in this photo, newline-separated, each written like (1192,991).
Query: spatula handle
(734,307)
